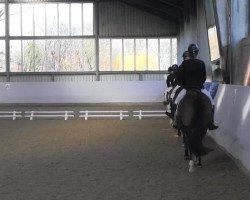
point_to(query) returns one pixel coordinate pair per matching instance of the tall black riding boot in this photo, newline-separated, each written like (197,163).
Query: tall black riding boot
(212,126)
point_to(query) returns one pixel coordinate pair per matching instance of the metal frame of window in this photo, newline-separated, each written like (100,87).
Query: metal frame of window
(95,36)
(7,41)
(45,37)
(134,38)
(216,24)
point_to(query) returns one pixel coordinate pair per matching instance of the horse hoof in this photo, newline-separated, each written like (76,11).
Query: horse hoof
(191,166)
(191,169)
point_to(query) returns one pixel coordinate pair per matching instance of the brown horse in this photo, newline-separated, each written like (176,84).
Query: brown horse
(194,115)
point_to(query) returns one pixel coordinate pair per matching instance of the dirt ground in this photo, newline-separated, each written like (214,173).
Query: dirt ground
(109,159)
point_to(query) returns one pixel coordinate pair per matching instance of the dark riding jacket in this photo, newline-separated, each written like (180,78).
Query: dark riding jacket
(192,74)
(171,80)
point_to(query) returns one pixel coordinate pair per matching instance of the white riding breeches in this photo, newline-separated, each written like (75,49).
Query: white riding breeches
(174,91)
(166,93)
(183,92)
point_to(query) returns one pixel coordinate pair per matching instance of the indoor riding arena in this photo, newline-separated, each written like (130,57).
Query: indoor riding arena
(85,100)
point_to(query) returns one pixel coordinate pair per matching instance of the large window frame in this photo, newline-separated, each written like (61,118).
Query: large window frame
(214,40)
(34,37)
(213,43)
(50,31)
(2,38)
(144,58)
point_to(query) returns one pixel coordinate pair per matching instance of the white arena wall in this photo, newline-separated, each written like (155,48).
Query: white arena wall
(233,117)
(81,92)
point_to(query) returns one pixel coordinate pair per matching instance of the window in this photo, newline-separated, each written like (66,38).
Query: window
(165,54)
(2,41)
(15,19)
(59,37)
(51,19)
(140,54)
(104,55)
(213,43)
(137,54)
(174,51)
(88,28)
(129,54)
(76,14)
(39,19)
(27,19)
(64,19)
(2,19)
(48,52)
(153,59)
(2,55)
(16,56)
(52,55)
(116,51)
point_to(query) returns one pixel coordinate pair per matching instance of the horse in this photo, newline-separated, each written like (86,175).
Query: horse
(194,114)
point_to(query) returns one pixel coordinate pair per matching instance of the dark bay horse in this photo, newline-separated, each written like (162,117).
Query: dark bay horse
(194,115)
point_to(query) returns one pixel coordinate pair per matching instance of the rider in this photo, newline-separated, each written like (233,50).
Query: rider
(185,56)
(176,88)
(192,75)
(171,79)
(171,85)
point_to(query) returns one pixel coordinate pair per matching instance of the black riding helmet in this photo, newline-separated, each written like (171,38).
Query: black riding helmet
(185,55)
(170,69)
(174,67)
(193,49)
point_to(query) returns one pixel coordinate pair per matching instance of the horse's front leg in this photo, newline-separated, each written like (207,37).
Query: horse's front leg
(199,162)
(179,133)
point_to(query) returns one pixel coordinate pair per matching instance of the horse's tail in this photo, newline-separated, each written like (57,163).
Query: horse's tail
(199,107)
(200,119)
(202,111)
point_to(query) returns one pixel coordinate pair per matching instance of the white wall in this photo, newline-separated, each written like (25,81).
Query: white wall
(82,92)
(233,117)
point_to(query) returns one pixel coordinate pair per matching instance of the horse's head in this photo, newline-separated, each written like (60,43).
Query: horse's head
(195,109)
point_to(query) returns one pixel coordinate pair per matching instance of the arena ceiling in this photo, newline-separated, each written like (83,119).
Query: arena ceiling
(171,10)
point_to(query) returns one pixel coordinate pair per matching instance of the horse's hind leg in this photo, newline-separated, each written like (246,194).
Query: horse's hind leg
(191,163)
(189,150)
(186,154)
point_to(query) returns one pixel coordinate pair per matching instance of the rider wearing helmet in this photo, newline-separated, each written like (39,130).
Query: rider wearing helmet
(192,74)
(185,55)
(171,79)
